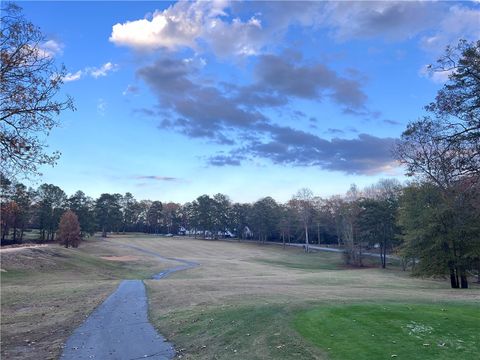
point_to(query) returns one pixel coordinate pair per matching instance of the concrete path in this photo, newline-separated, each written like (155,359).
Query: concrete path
(119,328)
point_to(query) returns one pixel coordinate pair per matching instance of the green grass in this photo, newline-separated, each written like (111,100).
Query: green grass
(401,331)
(244,331)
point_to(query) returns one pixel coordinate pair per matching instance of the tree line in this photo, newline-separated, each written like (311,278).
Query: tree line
(412,221)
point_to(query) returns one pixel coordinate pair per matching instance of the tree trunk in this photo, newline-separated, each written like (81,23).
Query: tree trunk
(104,232)
(384,253)
(4,232)
(306,239)
(463,279)
(318,234)
(453,278)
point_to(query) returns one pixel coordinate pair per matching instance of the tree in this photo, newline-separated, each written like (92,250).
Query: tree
(15,201)
(377,217)
(303,205)
(349,213)
(238,219)
(23,198)
(84,207)
(287,216)
(130,213)
(444,148)
(221,212)
(154,216)
(171,217)
(51,201)
(265,218)
(458,103)
(443,236)
(107,212)
(69,230)
(203,211)
(10,211)
(29,83)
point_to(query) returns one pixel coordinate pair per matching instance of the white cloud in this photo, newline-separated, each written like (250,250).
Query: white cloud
(215,25)
(102,70)
(73,76)
(50,48)
(91,71)
(458,22)
(186,24)
(239,38)
(437,76)
(178,25)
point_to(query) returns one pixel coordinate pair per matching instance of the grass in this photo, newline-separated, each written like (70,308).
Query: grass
(302,261)
(47,292)
(255,331)
(247,300)
(403,331)
(244,300)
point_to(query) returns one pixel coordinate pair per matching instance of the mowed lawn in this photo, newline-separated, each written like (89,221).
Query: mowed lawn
(245,300)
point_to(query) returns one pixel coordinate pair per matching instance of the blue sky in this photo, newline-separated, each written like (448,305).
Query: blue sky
(250,99)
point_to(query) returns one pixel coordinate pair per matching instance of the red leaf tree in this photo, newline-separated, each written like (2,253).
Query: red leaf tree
(69,230)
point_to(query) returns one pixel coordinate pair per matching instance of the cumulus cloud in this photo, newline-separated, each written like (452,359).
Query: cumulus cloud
(393,20)
(217,25)
(204,109)
(366,154)
(226,115)
(315,81)
(201,110)
(185,24)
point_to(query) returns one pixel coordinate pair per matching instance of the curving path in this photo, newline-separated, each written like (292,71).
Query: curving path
(119,328)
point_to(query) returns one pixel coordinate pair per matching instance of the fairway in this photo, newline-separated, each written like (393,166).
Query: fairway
(244,299)
(404,331)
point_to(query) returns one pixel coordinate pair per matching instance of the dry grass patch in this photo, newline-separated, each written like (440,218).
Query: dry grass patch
(242,288)
(120,258)
(49,291)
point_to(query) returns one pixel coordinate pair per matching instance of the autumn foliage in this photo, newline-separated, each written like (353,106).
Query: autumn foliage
(69,230)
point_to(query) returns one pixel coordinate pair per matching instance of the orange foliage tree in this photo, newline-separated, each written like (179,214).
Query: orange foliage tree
(69,230)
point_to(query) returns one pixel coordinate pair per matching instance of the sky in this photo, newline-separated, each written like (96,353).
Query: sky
(250,99)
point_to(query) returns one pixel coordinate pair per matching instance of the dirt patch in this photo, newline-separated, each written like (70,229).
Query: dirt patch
(120,258)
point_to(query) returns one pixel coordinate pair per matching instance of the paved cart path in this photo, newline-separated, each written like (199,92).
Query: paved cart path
(119,328)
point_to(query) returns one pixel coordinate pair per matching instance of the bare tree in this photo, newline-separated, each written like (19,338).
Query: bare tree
(29,83)
(303,204)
